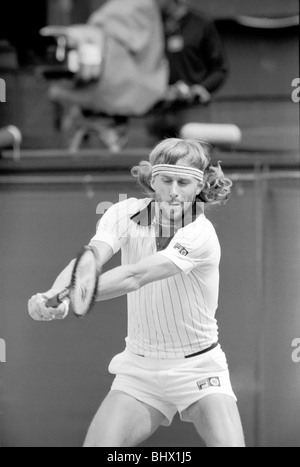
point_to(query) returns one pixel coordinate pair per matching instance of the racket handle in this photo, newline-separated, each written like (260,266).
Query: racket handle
(58,299)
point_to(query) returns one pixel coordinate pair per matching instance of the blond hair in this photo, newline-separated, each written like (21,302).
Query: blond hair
(193,153)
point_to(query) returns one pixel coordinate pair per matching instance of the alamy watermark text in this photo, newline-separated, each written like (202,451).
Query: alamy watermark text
(2,351)
(2,90)
(296,352)
(296,92)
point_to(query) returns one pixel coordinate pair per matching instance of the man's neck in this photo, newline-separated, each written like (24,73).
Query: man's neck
(173,18)
(173,225)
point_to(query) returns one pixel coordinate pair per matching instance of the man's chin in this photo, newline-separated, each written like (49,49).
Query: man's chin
(171,211)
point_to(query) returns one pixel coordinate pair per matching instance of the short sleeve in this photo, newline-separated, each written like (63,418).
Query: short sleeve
(113,227)
(193,246)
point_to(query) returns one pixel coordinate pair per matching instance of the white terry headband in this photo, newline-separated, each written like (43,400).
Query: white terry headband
(178,170)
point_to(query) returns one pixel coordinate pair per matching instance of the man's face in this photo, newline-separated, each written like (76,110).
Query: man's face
(175,194)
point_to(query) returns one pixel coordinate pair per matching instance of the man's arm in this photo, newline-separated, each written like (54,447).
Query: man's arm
(215,58)
(126,279)
(37,307)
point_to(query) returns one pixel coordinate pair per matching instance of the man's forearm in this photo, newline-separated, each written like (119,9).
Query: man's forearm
(116,283)
(112,284)
(215,80)
(64,279)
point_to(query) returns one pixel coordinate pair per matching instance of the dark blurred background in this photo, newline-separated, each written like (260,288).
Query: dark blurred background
(256,96)
(56,375)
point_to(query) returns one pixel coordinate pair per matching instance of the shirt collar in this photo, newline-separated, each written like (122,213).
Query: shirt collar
(146,216)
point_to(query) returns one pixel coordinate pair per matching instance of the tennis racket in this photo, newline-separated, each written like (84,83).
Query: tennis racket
(82,290)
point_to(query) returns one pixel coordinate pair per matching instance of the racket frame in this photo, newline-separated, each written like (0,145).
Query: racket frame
(67,292)
(73,279)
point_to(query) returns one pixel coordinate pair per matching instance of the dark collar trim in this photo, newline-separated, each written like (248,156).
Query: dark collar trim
(146,216)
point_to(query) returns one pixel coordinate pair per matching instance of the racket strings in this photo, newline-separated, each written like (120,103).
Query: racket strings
(84,283)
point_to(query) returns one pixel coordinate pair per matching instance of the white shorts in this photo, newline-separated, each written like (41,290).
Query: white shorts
(171,386)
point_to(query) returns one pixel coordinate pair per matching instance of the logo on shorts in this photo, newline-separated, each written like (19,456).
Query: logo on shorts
(209,383)
(181,249)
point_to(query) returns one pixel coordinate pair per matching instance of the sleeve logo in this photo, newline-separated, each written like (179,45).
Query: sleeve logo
(183,251)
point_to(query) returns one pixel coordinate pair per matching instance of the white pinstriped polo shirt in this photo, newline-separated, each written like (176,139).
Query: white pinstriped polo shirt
(175,317)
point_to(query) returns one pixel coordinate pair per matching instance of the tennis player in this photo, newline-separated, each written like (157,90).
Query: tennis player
(170,274)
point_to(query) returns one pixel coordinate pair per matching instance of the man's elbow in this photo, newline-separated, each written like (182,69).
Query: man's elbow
(136,280)
(139,281)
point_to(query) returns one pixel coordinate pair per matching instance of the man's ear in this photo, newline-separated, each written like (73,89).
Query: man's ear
(200,188)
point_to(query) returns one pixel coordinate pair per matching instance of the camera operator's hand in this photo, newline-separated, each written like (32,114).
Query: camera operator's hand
(201,93)
(179,91)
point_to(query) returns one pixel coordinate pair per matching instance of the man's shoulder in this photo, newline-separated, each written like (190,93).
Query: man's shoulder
(201,228)
(208,225)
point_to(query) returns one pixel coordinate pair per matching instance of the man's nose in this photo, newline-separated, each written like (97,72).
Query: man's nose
(174,190)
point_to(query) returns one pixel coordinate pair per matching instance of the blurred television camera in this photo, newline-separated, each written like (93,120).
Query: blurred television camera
(73,61)
(73,52)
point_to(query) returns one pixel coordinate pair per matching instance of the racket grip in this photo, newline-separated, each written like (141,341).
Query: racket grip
(58,299)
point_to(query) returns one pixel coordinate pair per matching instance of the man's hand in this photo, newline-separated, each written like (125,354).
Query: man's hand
(184,93)
(201,93)
(39,311)
(179,91)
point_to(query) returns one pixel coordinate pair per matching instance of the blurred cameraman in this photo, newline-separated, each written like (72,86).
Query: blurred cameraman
(198,66)
(121,69)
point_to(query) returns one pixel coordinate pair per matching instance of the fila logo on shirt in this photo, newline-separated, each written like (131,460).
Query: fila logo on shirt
(209,383)
(183,251)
